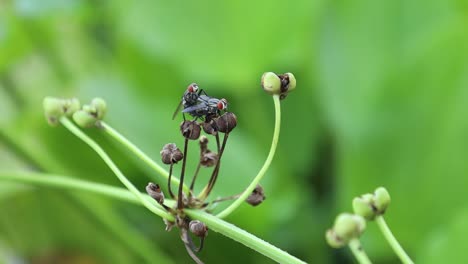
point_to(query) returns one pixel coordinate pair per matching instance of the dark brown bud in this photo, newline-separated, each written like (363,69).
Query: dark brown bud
(210,128)
(155,192)
(203,144)
(257,196)
(198,228)
(288,84)
(226,123)
(190,129)
(170,154)
(209,159)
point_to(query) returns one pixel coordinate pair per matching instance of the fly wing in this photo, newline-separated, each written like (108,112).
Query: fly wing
(177,110)
(203,98)
(194,108)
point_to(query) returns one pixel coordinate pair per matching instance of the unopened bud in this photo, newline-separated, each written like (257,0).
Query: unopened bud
(53,109)
(257,196)
(198,228)
(381,199)
(100,107)
(170,154)
(190,129)
(363,206)
(226,123)
(333,240)
(155,192)
(271,83)
(84,119)
(349,226)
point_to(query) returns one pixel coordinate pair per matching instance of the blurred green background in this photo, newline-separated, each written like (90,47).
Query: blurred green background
(382,99)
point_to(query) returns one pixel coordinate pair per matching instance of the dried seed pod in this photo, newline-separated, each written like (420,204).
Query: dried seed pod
(170,154)
(210,127)
(198,228)
(155,192)
(208,159)
(257,196)
(226,123)
(190,129)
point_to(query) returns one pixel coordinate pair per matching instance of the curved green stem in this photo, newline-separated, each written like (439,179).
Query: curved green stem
(267,163)
(75,130)
(214,223)
(358,251)
(138,152)
(392,240)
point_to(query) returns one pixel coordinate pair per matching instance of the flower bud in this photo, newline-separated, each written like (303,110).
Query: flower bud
(190,129)
(349,226)
(363,206)
(155,192)
(84,119)
(271,83)
(54,108)
(170,154)
(333,240)
(381,199)
(198,228)
(257,196)
(226,123)
(71,106)
(210,128)
(100,107)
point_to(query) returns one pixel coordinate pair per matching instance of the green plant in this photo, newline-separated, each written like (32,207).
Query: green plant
(187,211)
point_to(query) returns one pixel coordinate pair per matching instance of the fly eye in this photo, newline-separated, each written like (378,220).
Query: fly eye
(192,88)
(221,105)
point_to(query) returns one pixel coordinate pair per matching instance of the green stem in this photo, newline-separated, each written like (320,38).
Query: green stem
(138,152)
(392,240)
(214,223)
(267,163)
(358,251)
(75,130)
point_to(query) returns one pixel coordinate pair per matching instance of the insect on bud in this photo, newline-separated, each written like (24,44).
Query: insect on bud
(226,123)
(198,228)
(155,192)
(190,129)
(257,196)
(170,154)
(271,83)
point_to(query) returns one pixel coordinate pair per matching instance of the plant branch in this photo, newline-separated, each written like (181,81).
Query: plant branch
(266,165)
(138,152)
(358,251)
(77,132)
(214,223)
(392,240)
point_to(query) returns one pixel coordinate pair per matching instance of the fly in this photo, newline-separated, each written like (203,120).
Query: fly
(207,107)
(190,98)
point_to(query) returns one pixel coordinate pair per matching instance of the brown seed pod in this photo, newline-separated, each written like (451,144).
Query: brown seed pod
(257,196)
(198,228)
(226,123)
(209,159)
(170,154)
(190,129)
(210,127)
(155,192)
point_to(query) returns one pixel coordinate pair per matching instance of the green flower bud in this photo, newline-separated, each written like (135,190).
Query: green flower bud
(100,107)
(54,108)
(271,83)
(84,119)
(363,206)
(292,82)
(333,240)
(348,226)
(381,199)
(71,106)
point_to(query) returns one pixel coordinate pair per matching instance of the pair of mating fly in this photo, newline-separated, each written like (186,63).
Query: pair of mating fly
(199,105)
(209,111)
